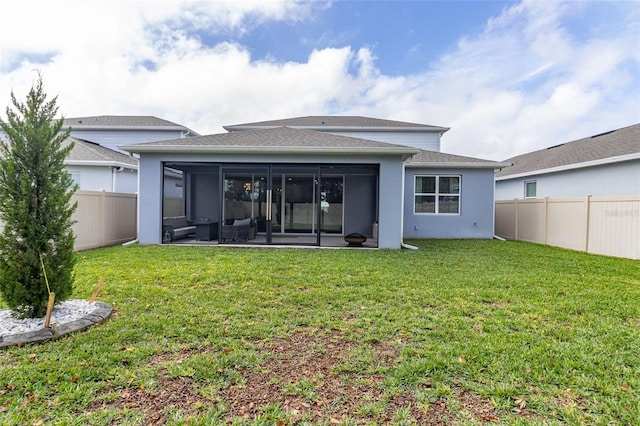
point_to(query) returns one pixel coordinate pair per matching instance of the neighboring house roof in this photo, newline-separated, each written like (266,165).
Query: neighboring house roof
(604,148)
(338,123)
(434,159)
(279,140)
(86,153)
(126,122)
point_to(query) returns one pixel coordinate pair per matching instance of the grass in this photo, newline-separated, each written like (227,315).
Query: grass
(478,331)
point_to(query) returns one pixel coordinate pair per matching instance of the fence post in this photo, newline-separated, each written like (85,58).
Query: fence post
(587,220)
(545,218)
(515,208)
(103,216)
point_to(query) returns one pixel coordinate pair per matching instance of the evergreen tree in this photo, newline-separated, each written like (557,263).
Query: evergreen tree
(35,206)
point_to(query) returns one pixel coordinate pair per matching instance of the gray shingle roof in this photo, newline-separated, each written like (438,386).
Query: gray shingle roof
(441,159)
(84,151)
(616,143)
(275,140)
(320,122)
(128,121)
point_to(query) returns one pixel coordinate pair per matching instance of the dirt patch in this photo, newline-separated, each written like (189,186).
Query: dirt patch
(177,392)
(299,375)
(312,378)
(478,407)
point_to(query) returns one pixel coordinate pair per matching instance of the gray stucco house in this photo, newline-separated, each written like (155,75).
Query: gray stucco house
(99,164)
(313,180)
(606,164)
(97,168)
(111,131)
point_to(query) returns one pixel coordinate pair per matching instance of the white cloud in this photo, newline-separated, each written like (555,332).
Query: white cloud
(526,82)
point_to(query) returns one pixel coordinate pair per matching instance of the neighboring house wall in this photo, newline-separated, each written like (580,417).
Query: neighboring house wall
(391,175)
(429,141)
(96,168)
(92,178)
(512,188)
(173,186)
(476,217)
(126,181)
(605,180)
(104,178)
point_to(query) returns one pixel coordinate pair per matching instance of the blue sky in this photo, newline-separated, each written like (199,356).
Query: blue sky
(506,77)
(405,36)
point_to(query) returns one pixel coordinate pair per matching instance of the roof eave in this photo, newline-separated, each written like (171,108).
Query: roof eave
(458,165)
(566,167)
(432,129)
(100,163)
(117,127)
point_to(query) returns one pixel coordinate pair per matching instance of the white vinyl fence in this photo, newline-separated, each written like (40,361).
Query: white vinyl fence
(172,206)
(104,218)
(599,225)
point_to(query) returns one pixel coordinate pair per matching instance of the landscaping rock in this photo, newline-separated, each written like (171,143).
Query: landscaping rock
(97,316)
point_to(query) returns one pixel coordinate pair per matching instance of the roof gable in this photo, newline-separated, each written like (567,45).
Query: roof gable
(616,144)
(89,152)
(338,122)
(123,122)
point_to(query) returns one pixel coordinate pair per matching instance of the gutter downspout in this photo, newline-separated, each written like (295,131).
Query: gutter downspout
(494,207)
(114,171)
(408,246)
(402,243)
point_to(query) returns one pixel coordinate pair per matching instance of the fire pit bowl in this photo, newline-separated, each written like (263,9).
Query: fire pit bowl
(355,239)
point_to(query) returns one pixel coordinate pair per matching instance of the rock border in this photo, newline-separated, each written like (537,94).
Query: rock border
(99,315)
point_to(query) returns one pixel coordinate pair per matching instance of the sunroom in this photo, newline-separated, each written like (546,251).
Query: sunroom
(278,186)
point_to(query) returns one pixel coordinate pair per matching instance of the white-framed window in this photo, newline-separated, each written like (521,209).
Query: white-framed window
(437,194)
(530,189)
(75,177)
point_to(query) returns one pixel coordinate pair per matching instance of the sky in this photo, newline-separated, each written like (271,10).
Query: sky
(507,77)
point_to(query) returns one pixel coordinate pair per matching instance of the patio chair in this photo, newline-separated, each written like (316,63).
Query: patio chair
(238,231)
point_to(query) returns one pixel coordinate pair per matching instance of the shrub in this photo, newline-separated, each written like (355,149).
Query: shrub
(35,208)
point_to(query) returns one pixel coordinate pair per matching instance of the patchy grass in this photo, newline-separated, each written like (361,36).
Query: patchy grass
(459,332)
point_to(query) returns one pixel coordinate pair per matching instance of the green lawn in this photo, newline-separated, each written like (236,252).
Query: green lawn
(458,332)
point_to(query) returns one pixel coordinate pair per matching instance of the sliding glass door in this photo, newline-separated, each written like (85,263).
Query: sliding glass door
(244,208)
(306,206)
(284,204)
(332,204)
(295,199)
